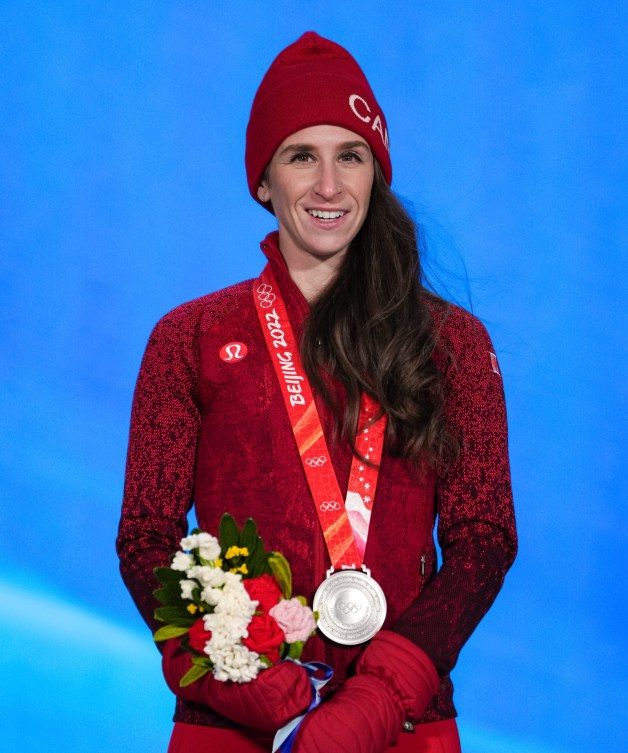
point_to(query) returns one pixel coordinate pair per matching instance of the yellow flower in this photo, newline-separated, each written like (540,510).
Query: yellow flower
(242,569)
(192,608)
(218,562)
(236,551)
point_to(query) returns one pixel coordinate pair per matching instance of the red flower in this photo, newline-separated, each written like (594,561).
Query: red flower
(264,589)
(198,636)
(265,637)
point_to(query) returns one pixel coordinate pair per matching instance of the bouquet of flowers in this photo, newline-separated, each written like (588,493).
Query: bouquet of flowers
(230,601)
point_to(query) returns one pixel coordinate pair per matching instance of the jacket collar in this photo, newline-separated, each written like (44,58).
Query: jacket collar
(294,298)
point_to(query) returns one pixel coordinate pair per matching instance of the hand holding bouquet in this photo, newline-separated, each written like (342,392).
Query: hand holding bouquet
(230,601)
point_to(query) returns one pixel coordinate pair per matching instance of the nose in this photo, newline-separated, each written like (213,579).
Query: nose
(328,183)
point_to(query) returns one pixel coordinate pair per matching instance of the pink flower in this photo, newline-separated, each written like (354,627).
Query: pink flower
(296,620)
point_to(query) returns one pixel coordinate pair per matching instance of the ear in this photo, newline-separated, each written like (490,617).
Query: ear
(262,193)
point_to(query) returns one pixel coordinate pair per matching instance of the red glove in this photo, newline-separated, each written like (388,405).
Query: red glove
(395,681)
(276,696)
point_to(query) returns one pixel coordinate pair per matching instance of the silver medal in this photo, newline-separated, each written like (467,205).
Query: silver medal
(351,606)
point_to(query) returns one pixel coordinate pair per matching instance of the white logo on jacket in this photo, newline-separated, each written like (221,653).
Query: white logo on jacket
(233,352)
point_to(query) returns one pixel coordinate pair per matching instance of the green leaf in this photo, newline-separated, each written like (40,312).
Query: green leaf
(169,631)
(169,577)
(302,600)
(256,569)
(175,615)
(195,672)
(249,537)
(202,660)
(169,597)
(281,570)
(228,532)
(161,595)
(257,563)
(296,649)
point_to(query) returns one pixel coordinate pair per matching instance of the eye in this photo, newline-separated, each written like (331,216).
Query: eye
(350,157)
(302,157)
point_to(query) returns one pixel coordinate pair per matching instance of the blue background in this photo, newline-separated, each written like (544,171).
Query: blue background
(123,194)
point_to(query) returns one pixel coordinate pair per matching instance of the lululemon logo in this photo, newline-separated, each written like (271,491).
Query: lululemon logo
(233,352)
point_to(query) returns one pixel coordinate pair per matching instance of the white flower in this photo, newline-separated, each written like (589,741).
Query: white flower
(220,639)
(208,546)
(226,629)
(182,561)
(234,662)
(187,586)
(202,573)
(235,602)
(233,580)
(211,595)
(189,542)
(215,578)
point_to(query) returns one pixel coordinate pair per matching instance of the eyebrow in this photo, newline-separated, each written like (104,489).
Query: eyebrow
(311,147)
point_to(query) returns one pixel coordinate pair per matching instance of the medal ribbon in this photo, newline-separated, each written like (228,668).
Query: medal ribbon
(319,675)
(345,526)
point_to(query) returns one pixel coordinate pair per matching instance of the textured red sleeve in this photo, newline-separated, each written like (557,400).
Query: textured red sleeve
(476,524)
(159,477)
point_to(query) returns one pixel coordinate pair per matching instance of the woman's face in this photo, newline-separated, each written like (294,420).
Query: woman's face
(319,183)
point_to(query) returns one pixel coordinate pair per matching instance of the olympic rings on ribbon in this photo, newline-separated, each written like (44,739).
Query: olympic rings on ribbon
(329,506)
(266,295)
(316,462)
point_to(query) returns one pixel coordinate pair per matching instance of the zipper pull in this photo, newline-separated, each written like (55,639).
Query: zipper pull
(422,564)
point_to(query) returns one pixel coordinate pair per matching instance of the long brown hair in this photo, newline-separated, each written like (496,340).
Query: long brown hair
(372,331)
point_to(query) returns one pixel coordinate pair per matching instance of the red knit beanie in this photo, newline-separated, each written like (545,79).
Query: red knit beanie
(312,82)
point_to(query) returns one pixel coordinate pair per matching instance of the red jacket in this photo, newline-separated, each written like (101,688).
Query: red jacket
(216,434)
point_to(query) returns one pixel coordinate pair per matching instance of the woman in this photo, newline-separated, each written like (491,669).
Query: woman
(210,427)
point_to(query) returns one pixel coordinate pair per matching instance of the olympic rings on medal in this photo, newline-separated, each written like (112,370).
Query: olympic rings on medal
(329,506)
(316,462)
(266,295)
(349,607)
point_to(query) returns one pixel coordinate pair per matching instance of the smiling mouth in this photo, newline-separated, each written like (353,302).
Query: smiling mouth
(325,215)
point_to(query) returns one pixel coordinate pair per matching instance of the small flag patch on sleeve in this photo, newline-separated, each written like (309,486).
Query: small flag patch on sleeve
(494,364)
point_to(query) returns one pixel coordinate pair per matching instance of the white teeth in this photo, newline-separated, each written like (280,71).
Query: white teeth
(321,215)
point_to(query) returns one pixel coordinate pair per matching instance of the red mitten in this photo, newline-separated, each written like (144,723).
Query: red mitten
(395,680)
(361,717)
(267,703)
(407,672)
